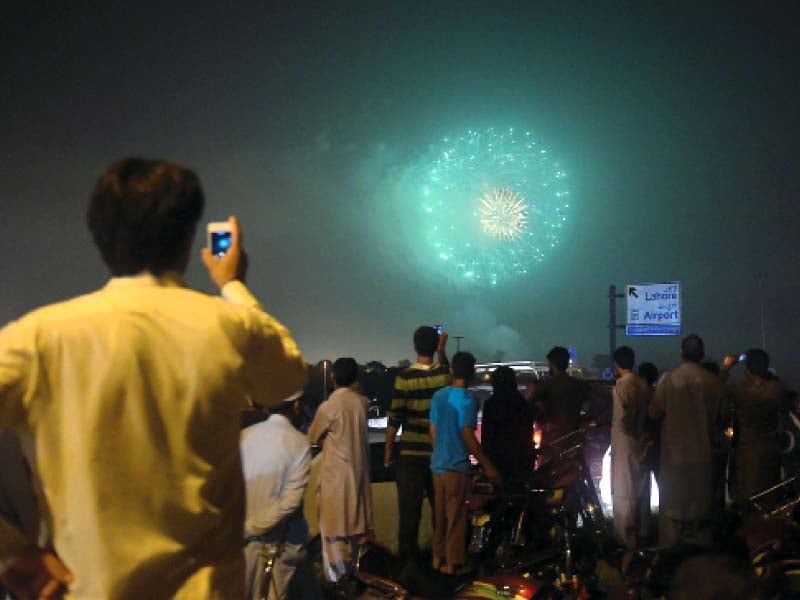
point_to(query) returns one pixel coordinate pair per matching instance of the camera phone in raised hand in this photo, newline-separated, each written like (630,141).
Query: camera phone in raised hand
(219,238)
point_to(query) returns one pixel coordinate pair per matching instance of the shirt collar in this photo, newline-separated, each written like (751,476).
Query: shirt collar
(148,279)
(278,419)
(423,367)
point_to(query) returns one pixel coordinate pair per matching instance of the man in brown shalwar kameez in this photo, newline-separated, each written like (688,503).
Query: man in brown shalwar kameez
(688,403)
(558,401)
(756,460)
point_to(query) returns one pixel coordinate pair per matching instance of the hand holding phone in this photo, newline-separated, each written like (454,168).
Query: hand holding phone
(730,360)
(219,237)
(223,256)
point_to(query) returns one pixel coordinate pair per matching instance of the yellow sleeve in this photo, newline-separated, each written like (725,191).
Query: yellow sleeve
(19,370)
(18,365)
(273,367)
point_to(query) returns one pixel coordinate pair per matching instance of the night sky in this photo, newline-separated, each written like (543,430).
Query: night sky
(679,128)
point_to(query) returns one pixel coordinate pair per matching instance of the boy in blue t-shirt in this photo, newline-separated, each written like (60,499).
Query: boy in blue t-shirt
(453,419)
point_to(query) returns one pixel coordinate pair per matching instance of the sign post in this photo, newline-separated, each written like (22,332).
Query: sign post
(612,321)
(653,309)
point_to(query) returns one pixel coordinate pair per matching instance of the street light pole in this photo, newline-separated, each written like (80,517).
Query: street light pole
(612,319)
(761,277)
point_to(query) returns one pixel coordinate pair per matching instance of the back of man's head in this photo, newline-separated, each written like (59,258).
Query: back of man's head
(692,348)
(757,362)
(143,214)
(345,371)
(463,366)
(559,356)
(426,341)
(504,381)
(624,357)
(649,372)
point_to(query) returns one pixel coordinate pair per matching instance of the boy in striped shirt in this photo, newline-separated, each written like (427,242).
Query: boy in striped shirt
(413,389)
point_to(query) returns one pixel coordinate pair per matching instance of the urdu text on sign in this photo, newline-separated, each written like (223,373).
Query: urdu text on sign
(653,308)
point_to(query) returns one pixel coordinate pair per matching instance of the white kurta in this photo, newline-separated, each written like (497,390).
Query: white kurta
(631,484)
(133,395)
(344,497)
(276,459)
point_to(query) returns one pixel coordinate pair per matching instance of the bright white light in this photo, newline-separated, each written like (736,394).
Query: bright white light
(605,488)
(503,213)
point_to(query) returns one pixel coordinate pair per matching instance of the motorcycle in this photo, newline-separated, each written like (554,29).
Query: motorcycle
(382,577)
(550,525)
(538,540)
(764,530)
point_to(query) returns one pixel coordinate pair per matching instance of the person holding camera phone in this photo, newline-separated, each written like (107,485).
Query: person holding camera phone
(133,395)
(414,388)
(755,457)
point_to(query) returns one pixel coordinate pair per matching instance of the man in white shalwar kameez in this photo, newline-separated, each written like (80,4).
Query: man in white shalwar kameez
(629,450)
(276,461)
(344,499)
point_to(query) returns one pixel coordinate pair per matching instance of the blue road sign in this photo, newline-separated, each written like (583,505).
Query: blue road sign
(653,308)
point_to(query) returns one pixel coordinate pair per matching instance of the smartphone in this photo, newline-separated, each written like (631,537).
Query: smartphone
(438,329)
(742,357)
(219,238)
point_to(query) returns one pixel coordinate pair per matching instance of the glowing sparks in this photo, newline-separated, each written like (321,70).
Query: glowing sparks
(492,204)
(503,214)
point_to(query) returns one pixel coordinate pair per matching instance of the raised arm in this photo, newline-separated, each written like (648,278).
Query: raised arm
(272,353)
(441,354)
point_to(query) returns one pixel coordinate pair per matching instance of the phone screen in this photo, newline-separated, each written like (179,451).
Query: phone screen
(438,329)
(220,242)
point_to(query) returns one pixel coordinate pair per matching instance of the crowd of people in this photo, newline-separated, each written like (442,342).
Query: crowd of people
(703,438)
(134,397)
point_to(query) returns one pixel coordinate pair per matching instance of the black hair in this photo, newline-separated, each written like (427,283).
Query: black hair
(345,371)
(692,348)
(426,340)
(284,408)
(463,366)
(710,366)
(649,372)
(504,381)
(559,356)
(624,357)
(142,215)
(757,362)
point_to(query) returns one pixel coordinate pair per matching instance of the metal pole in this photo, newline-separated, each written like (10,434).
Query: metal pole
(325,380)
(761,278)
(612,320)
